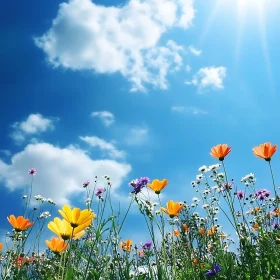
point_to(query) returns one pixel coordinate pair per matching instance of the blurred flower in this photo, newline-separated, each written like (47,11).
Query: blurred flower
(147,245)
(275,225)
(141,254)
(86,183)
(1,246)
(173,208)
(76,217)
(265,151)
(262,194)
(63,229)
(212,272)
(57,245)
(240,194)
(45,215)
(24,196)
(220,151)
(126,245)
(157,186)
(275,212)
(212,230)
(255,226)
(202,231)
(176,232)
(186,228)
(32,171)
(203,168)
(100,191)
(19,223)
(227,186)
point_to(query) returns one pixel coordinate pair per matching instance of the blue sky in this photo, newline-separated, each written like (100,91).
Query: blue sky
(131,89)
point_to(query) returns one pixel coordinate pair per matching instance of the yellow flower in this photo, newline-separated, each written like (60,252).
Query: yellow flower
(76,217)
(265,151)
(173,208)
(57,245)
(157,186)
(126,245)
(220,151)
(19,223)
(64,230)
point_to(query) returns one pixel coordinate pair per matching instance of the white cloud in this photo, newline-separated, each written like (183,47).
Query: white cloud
(194,51)
(34,124)
(188,110)
(109,147)
(209,78)
(137,136)
(60,171)
(106,117)
(118,39)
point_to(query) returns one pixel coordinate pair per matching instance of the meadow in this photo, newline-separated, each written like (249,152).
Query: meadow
(186,239)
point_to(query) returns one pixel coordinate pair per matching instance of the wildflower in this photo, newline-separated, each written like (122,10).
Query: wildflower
(212,272)
(240,194)
(138,185)
(147,245)
(202,231)
(262,194)
(276,212)
(45,215)
(157,186)
(86,183)
(173,208)
(265,151)
(212,230)
(141,254)
(203,168)
(214,167)
(185,227)
(126,245)
(100,191)
(64,230)
(176,232)
(24,196)
(76,217)
(256,226)
(32,171)
(205,206)
(220,151)
(195,261)
(275,225)
(19,223)
(227,186)
(49,200)
(1,246)
(195,199)
(57,245)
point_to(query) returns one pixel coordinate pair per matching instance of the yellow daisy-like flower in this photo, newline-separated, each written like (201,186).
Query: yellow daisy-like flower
(76,217)
(57,245)
(64,230)
(157,186)
(173,208)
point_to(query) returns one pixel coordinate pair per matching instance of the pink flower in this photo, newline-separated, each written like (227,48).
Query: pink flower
(32,171)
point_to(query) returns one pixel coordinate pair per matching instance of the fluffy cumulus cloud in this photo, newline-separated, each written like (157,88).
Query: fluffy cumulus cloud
(209,78)
(118,39)
(106,117)
(33,125)
(103,145)
(60,171)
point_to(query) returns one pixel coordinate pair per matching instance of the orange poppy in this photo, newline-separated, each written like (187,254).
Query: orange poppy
(157,186)
(256,226)
(57,245)
(173,208)
(220,151)
(176,232)
(212,230)
(1,246)
(141,254)
(19,223)
(202,231)
(126,245)
(265,151)
(186,228)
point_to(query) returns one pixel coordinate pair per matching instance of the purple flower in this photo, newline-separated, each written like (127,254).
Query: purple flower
(139,184)
(227,186)
(32,171)
(100,191)
(262,194)
(147,245)
(240,194)
(275,226)
(212,272)
(86,183)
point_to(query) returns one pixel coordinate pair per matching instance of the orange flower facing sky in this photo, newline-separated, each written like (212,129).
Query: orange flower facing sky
(173,208)
(157,186)
(57,245)
(126,245)
(220,151)
(265,151)
(19,223)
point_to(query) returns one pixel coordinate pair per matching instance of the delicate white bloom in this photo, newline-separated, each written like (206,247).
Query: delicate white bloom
(45,215)
(205,206)
(50,201)
(203,168)
(195,199)
(199,177)
(24,196)
(207,191)
(192,205)
(214,166)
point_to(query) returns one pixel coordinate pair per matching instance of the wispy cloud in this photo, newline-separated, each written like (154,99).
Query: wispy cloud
(124,39)
(137,136)
(188,68)
(194,51)
(209,78)
(188,110)
(60,171)
(108,147)
(33,125)
(106,117)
